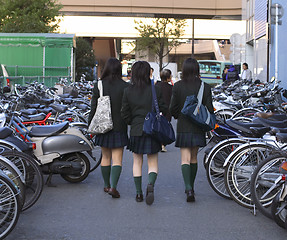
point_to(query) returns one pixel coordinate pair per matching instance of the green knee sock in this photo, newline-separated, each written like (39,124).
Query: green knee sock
(138,183)
(106,172)
(193,171)
(185,169)
(115,175)
(152,178)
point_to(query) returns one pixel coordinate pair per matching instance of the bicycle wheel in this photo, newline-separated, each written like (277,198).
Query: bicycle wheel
(279,211)
(264,184)
(223,114)
(9,205)
(15,175)
(32,174)
(240,168)
(246,112)
(214,164)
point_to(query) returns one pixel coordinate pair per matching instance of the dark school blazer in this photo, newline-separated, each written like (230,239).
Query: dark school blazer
(166,90)
(180,91)
(115,89)
(136,104)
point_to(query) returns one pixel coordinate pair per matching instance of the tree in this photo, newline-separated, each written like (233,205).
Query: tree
(27,16)
(160,36)
(85,59)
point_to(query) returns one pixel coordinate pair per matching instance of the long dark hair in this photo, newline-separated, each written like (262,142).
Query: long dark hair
(112,70)
(140,74)
(190,70)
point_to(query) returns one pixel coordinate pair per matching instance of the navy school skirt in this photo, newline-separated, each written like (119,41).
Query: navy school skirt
(144,145)
(190,140)
(112,139)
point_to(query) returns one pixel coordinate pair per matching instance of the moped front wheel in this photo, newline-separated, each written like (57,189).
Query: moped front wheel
(85,163)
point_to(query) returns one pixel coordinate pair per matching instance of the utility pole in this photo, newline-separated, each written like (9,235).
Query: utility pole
(192,41)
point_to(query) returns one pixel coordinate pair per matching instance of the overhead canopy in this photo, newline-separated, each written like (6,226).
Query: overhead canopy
(208,9)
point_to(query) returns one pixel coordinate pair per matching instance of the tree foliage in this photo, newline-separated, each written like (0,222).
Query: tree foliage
(85,59)
(160,36)
(27,16)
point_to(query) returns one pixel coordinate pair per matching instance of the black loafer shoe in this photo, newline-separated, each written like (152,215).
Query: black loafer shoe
(190,196)
(149,194)
(114,193)
(139,197)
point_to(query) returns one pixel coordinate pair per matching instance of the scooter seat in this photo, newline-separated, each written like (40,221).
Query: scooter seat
(48,130)
(35,117)
(241,126)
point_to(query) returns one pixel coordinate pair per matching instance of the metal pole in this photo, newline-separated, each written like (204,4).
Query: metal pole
(192,43)
(276,42)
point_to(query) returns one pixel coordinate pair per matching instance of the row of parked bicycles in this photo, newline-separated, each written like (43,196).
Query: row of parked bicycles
(41,132)
(247,160)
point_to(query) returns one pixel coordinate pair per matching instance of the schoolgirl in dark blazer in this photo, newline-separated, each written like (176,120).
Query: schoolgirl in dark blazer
(166,88)
(112,143)
(137,102)
(189,136)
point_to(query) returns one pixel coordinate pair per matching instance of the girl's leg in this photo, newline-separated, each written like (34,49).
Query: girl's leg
(152,175)
(193,165)
(185,167)
(137,172)
(106,167)
(117,157)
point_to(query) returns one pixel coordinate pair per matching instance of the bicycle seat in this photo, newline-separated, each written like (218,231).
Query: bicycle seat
(30,111)
(275,130)
(59,107)
(259,132)
(270,123)
(241,126)
(48,130)
(5,132)
(281,137)
(35,117)
(47,100)
(33,105)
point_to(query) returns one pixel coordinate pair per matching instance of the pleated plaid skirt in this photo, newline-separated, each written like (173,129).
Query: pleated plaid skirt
(143,145)
(190,140)
(112,139)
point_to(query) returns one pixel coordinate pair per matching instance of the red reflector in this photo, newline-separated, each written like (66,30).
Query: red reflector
(8,82)
(34,146)
(218,77)
(283,177)
(70,119)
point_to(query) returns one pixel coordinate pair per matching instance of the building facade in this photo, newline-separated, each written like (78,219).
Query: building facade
(261,39)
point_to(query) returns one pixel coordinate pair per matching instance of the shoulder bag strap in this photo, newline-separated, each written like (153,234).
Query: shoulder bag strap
(154,102)
(100,87)
(199,98)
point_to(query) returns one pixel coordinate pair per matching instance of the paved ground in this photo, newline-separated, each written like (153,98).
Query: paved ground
(84,212)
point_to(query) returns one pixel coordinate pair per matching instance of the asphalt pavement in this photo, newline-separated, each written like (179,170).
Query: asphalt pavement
(84,212)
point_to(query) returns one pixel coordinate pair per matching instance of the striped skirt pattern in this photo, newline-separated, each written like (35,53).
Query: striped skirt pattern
(112,139)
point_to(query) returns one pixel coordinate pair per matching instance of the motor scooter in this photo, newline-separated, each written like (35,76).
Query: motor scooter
(63,150)
(59,149)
